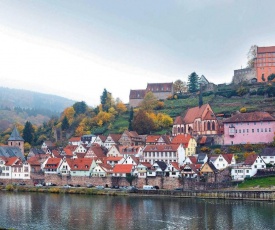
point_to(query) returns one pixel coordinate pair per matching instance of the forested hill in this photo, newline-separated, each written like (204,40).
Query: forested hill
(17,105)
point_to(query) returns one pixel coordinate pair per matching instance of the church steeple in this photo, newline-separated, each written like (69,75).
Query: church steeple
(15,140)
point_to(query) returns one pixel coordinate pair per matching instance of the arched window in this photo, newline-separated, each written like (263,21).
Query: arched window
(208,125)
(181,129)
(213,125)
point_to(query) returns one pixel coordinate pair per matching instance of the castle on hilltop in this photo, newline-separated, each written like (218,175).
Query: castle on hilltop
(264,66)
(160,90)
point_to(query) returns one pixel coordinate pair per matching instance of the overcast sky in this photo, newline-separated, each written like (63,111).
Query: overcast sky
(76,48)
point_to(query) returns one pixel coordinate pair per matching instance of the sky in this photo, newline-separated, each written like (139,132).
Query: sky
(75,49)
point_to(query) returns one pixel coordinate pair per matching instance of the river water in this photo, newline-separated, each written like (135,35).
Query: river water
(55,211)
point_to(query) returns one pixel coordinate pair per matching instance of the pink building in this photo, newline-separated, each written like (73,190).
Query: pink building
(254,128)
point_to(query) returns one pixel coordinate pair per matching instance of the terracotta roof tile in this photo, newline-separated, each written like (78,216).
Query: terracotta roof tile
(123,168)
(75,139)
(152,138)
(250,117)
(11,161)
(250,159)
(80,164)
(137,94)
(181,139)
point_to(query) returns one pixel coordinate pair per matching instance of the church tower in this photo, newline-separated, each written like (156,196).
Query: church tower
(16,140)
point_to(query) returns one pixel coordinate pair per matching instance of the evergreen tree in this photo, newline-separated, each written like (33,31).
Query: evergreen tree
(65,123)
(80,107)
(28,132)
(193,82)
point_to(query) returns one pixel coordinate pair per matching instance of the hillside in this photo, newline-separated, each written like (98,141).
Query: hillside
(18,106)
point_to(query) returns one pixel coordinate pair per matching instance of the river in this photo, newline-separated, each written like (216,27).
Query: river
(65,211)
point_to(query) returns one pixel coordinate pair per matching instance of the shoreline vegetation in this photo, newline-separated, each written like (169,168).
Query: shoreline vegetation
(253,193)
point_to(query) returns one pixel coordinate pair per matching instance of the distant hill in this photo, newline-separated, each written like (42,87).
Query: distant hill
(17,105)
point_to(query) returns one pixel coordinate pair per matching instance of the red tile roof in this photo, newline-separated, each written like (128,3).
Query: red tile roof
(137,94)
(80,164)
(52,163)
(115,137)
(152,138)
(102,137)
(175,165)
(250,117)
(197,112)
(193,159)
(228,157)
(147,164)
(178,120)
(11,161)
(250,159)
(160,87)
(113,158)
(75,139)
(128,149)
(182,139)
(121,168)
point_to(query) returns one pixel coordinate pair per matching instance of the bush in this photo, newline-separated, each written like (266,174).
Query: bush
(243,110)
(9,187)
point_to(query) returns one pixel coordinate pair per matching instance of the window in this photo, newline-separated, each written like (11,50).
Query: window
(265,129)
(240,131)
(270,130)
(258,130)
(243,130)
(247,130)
(252,130)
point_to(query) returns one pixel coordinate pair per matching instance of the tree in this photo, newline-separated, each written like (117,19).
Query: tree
(149,102)
(107,101)
(251,56)
(121,108)
(28,132)
(65,123)
(142,123)
(69,112)
(179,86)
(131,117)
(103,97)
(80,108)
(193,82)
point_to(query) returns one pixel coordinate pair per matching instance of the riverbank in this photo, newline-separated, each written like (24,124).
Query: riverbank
(256,194)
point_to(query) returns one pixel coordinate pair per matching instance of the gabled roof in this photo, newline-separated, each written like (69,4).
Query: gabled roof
(15,136)
(8,151)
(106,167)
(146,164)
(181,139)
(201,157)
(194,113)
(152,138)
(161,164)
(250,159)
(129,149)
(160,87)
(52,163)
(80,164)
(178,120)
(123,168)
(11,161)
(175,165)
(97,151)
(228,157)
(113,158)
(75,139)
(102,137)
(34,161)
(250,117)
(137,93)
(193,159)
(115,137)
(161,148)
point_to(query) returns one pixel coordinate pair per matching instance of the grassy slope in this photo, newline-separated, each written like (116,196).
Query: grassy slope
(265,182)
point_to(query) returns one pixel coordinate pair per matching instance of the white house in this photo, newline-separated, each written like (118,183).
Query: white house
(173,169)
(268,155)
(165,153)
(248,169)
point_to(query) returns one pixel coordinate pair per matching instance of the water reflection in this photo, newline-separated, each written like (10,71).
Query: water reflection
(54,211)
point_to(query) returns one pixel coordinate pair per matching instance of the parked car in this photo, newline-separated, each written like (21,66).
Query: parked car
(67,186)
(132,189)
(178,189)
(1,183)
(100,187)
(38,185)
(89,186)
(77,185)
(22,183)
(148,187)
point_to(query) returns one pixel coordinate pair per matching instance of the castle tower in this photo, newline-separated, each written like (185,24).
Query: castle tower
(16,140)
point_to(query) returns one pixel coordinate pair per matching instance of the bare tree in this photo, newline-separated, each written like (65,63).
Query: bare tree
(251,56)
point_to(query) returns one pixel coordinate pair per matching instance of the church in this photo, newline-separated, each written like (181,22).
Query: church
(199,120)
